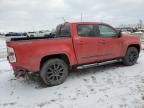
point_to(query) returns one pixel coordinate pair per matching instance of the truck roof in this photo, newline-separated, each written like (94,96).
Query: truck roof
(87,23)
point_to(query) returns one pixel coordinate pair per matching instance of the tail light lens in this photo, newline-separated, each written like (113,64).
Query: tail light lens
(11,54)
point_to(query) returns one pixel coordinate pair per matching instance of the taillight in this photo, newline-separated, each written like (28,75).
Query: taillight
(11,54)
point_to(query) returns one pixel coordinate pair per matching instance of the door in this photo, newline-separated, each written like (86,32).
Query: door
(110,45)
(86,43)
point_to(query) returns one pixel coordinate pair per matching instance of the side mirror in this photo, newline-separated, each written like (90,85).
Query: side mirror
(119,33)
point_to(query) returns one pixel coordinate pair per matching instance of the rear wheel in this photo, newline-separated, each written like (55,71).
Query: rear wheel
(54,72)
(131,56)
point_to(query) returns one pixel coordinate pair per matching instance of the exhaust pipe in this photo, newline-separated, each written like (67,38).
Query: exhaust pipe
(20,72)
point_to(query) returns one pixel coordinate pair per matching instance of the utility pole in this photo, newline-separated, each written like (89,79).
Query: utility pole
(140,23)
(81,16)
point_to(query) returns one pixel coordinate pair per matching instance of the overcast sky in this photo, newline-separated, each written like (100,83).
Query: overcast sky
(28,15)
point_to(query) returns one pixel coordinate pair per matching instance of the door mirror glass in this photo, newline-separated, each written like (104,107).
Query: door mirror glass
(119,33)
(63,30)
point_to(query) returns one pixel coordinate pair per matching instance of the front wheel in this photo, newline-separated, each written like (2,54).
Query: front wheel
(54,72)
(131,56)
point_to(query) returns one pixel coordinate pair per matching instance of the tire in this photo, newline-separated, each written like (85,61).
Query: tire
(54,72)
(131,56)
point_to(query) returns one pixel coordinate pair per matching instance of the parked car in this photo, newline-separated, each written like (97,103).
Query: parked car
(31,34)
(74,45)
(15,34)
(43,33)
(141,30)
(38,33)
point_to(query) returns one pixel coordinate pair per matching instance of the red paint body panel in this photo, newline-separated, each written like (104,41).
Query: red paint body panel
(30,53)
(79,50)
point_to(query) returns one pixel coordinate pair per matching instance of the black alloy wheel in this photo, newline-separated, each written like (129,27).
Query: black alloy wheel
(54,72)
(131,56)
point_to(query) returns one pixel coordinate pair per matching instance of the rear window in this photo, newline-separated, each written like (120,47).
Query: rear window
(63,31)
(87,30)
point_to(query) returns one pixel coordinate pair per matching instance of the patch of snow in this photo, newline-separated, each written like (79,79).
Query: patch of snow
(124,32)
(139,32)
(108,86)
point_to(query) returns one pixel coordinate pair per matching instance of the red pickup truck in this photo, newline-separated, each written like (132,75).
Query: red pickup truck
(74,44)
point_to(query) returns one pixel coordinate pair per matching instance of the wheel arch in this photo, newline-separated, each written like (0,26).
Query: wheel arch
(137,46)
(60,56)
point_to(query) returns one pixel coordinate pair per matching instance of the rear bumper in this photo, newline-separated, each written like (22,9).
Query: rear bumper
(24,66)
(21,71)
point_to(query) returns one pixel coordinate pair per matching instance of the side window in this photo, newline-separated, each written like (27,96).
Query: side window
(86,30)
(63,31)
(106,31)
